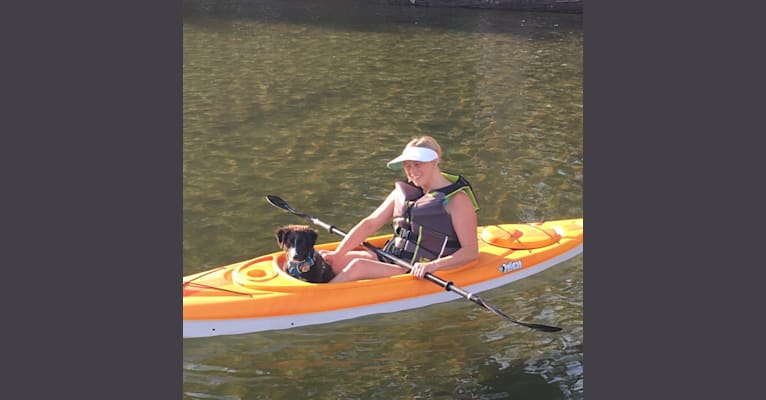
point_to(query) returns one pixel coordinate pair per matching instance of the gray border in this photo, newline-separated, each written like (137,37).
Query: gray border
(664,197)
(92,200)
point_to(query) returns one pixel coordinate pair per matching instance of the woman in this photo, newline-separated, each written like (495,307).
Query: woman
(433,215)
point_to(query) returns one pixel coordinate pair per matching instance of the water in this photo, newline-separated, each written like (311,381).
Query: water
(308,100)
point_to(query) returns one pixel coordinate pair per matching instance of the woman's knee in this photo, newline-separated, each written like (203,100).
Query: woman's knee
(353,268)
(341,265)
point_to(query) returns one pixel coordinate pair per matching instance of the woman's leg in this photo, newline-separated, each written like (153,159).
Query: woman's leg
(352,255)
(365,268)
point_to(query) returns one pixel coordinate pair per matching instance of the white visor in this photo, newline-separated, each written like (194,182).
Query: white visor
(413,153)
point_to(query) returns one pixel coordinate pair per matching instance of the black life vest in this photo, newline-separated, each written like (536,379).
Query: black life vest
(423,229)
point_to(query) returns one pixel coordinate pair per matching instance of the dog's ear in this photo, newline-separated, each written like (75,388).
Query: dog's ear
(281,235)
(314,235)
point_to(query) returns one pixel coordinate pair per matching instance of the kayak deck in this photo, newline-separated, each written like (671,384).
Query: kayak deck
(256,295)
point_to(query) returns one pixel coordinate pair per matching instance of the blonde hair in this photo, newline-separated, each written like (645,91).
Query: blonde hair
(427,142)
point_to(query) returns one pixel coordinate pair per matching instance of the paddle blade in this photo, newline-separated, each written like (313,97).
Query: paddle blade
(277,202)
(490,307)
(544,328)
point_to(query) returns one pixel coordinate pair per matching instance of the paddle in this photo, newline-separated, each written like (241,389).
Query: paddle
(449,286)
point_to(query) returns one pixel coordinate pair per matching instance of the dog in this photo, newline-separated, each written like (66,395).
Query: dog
(301,261)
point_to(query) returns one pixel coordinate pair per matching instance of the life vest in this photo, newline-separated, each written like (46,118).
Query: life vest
(297,268)
(423,229)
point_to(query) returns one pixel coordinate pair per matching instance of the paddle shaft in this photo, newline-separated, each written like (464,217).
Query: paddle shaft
(449,286)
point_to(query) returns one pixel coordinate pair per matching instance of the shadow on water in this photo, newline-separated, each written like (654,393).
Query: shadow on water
(513,383)
(379,16)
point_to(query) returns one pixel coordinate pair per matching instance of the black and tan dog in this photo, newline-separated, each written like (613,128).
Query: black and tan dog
(301,261)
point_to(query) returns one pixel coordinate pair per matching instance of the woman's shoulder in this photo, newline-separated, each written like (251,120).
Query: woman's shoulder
(460,200)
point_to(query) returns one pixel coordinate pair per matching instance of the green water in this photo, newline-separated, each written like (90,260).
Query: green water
(308,100)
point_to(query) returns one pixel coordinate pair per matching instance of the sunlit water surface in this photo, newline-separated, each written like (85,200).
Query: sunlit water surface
(308,100)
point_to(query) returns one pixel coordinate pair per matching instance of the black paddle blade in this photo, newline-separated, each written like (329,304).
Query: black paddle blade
(277,202)
(544,328)
(539,327)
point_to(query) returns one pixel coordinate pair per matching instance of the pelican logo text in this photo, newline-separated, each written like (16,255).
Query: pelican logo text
(510,266)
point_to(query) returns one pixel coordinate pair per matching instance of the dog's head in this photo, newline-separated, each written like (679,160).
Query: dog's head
(296,240)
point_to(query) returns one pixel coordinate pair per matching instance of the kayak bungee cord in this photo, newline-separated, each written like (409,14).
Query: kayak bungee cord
(202,285)
(514,236)
(277,202)
(201,275)
(544,231)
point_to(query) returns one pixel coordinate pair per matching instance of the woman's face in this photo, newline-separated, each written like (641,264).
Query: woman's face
(418,172)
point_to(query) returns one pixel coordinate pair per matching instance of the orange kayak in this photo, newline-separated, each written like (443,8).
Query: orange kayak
(256,295)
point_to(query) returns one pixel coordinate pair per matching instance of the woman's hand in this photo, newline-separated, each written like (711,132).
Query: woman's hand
(419,270)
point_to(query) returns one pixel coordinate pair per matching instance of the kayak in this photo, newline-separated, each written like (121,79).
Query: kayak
(256,295)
